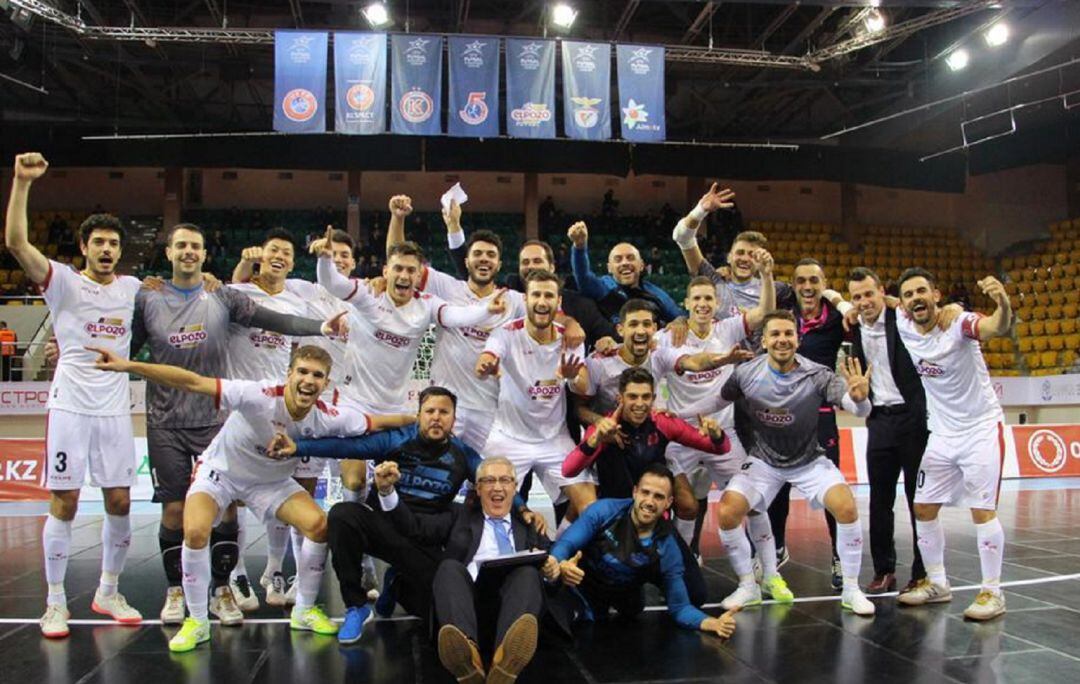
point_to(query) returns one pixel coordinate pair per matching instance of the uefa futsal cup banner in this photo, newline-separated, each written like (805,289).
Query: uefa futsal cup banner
(530,88)
(300,81)
(641,92)
(474,87)
(586,90)
(360,83)
(416,84)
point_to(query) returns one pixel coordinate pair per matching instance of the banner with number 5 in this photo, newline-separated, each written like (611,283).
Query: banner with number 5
(473,111)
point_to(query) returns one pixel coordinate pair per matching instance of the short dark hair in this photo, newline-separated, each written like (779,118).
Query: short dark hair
(916,272)
(538,276)
(407,248)
(861,273)
(100,222)
(751,236)
(484,236)
(809,261)
(659,470)
(543,245)
(344,238)
(310,351)
(638,374)
(437,391)
(699,280)
(778,315)
(190,227)
(278,233)
(635,305)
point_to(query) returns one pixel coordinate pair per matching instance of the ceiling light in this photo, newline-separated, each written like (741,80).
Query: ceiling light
(958,59)
(563,15)
(875,21)
(376,15)
(997,35)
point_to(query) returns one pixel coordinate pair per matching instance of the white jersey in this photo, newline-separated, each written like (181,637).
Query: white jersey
(532,396)
(323,306)
(261,354)
(950,364)
(87,313)
(256,413)
(456,349)
(691,394)
(604,371)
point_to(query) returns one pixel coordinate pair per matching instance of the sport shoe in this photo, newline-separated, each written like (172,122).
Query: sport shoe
(882,584)
(384,606)
(116,607)
(353,627)
(986,606)
(223,605)
(460,656)
(369,581)
(275,593)
(745,595)
(925,592)
(243,595)
(516,650)
(54,622)
(837,579)
(782,556)
(777,589)
(191,634)
(172,613)
(312,619)
(290,595)
(854,600)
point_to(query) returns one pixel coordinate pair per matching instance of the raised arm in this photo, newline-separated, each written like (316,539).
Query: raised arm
(245,268)
(709,438)
(589,284)
(28,168)
(170,376)
(400,207)
(998,323)
(763,265)
(685,233)
(706,361)
(455,240)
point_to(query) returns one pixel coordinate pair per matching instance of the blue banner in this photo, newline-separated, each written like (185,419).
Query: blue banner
(300,81)
(474,87)
(586,69)
(360,83)
(641,92)
(530,88)
(416,84)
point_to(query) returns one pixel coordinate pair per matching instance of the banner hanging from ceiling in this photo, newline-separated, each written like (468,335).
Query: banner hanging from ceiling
(416,84)
(360,83)
(473,110)
(640,71)
(586,69)
(300,81)
(530,88)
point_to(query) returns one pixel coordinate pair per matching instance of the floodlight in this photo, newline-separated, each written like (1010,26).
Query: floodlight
(563,15)
(376,15)
(958,59)
(875,21)
(997,35)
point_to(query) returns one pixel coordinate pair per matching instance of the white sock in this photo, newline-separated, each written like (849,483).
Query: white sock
(241,543)
(369,565)
(932,547)
(353,495)
(277,540)
(738,553)
(991,553)
(764,543)
(849,544)
(196,564)
(115,542)
(56,541)
(309,572)
(685,528)
(296,537)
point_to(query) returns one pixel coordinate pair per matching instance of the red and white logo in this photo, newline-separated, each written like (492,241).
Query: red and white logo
(416,106)
(1047,451)
(360,97)
(299,104)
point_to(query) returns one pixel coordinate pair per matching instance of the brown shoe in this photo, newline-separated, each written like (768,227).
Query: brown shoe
(515,651)
(882,584)
(459,655)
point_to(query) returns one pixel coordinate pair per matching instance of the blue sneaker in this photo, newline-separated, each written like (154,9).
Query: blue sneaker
(353,626)
(384,606)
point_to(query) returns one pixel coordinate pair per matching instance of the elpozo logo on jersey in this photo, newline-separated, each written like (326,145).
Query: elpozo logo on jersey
(586,115)
(639,62)
(299,104)
(778,417)
(416,53)
(585,59)
(545,389)
(529,59)
(531,114)
(1047,450)
(476,110)
(188,336)
(928,369)
(473,57)
(106,328)
(416,106)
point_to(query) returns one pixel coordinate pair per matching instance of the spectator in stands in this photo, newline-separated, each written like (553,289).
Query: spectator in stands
(610,205)
(216,244)
(8,347)
(655,266)
(563,261)
(546,212)
(959,294)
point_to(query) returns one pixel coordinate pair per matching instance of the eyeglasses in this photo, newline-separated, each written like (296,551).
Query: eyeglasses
(505,480)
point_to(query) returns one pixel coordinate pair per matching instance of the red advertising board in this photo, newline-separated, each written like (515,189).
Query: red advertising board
(1047,450)
(22,470)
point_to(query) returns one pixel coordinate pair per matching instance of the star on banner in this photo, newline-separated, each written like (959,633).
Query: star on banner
(588,51)
(474,46)
(634,113)
(419,44)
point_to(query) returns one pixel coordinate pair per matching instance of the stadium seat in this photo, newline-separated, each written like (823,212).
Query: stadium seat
(1068,326)
(1041,344)
(1057,342)
(1038,327)
(1023,329)
(1033,361)
(1048,359)
(1053,326)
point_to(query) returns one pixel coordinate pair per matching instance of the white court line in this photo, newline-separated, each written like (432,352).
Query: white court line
(405,618)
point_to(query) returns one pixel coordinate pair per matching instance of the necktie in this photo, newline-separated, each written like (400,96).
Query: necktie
(502,537)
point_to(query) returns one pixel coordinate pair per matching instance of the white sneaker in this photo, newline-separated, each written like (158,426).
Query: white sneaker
(986,606)
(855,600)
(116,607)
(54,622)
(172,613)
(275,593)
(243,594)
(266,579)
(290,595)
(223,605)
(925,592)
(743,596)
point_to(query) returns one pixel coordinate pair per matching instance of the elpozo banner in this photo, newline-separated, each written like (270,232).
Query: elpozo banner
(474,87)
(586,90)
(300,81)
(360,83)
(530,88)
(640,70)
(416,84)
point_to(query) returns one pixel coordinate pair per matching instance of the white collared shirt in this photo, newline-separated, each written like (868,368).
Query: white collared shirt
(876,349)
(489,543)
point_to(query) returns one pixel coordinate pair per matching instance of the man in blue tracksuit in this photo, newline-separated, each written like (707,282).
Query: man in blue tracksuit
(624,283)
(617,545)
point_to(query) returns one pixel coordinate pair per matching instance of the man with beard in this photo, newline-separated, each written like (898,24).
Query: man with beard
(636,328)
(962,461)
(619,545)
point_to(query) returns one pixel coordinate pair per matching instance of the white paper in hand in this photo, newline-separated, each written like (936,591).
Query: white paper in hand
(455,193)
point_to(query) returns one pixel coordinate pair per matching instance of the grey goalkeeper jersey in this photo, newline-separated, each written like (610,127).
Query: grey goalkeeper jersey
(776,414)
(189,330)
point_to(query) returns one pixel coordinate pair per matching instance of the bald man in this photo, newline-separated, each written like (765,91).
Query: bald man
(623,282)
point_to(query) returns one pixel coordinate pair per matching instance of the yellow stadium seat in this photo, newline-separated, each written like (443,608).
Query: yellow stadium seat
(1057,342)
(1033,361)
(1025,287)
(1057,298)
(1048,358)
(1072,341)
(1041,344)
(1038,312)
(1043,298)
(1027,345)
(1068,326)
(1053,326)
(1054,311)
(14,302)
(1006,264)
(1038,327)
(1023,329)
(1068,357)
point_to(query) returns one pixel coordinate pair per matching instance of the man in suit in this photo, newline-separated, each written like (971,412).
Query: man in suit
(469,604)
(896,426)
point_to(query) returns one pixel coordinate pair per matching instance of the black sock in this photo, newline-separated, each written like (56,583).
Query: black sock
(170,542)
(224,552)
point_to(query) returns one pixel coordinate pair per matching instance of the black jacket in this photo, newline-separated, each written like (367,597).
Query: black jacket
(900,364)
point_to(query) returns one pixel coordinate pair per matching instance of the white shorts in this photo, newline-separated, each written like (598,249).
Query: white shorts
(759,482)
(473,426)
(308,467)
(544,460)
(963,469)
(76,443)
(263,500)
(721,467)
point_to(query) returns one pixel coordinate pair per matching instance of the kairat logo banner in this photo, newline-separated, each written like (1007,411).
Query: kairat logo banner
(416,84)
(474,87)
(300,81)
(586,69)
(640,71)
(530,88)
(360,83)
(1047,450)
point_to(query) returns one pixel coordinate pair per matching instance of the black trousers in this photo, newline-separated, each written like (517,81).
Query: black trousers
(829,439)
(895,445)
(489,606)
(356,529)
